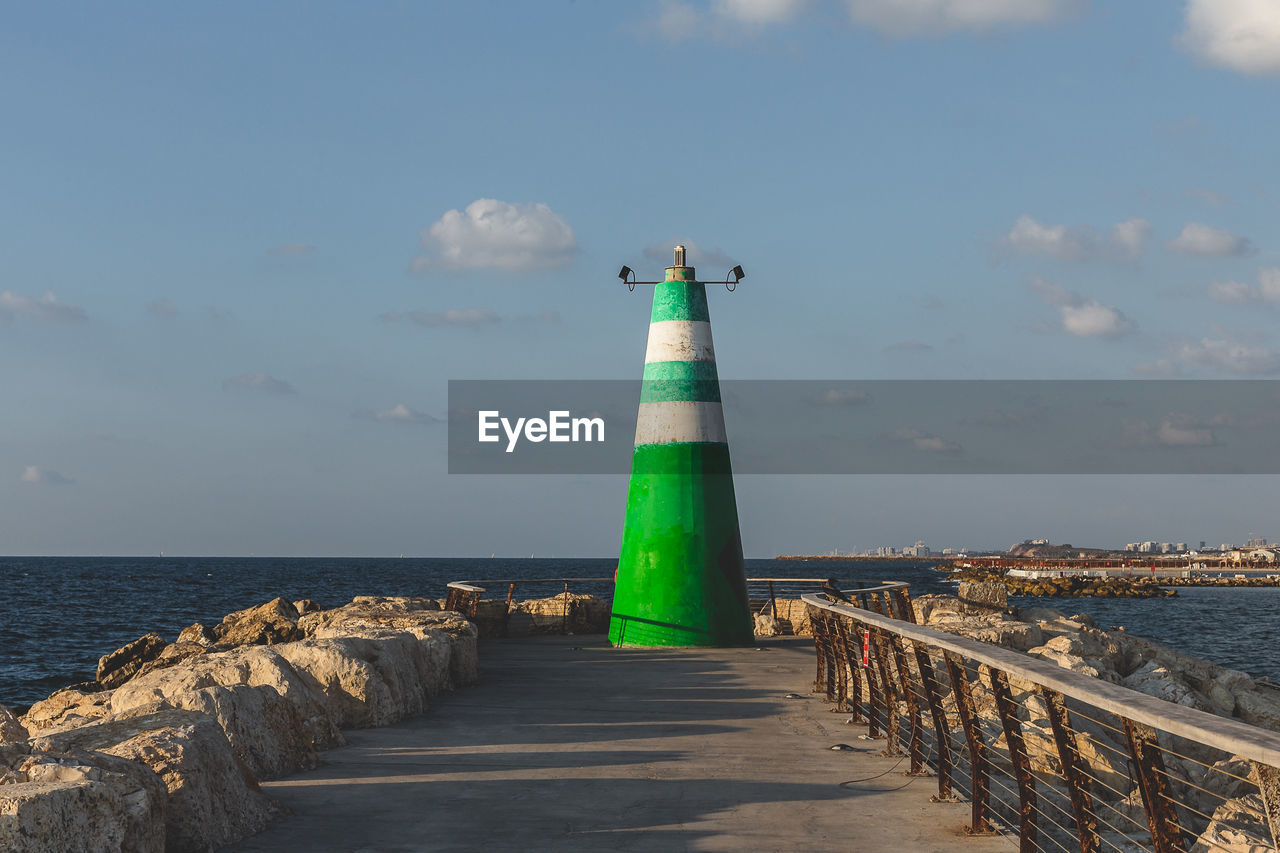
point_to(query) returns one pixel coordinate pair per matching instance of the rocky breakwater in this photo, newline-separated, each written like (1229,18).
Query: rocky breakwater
(164,750)
(1222,804)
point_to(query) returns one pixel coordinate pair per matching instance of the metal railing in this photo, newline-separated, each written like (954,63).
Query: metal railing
(1058,759)
(465,596)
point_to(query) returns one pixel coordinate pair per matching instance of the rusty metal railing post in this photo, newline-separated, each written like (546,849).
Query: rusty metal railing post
(892,743)
(915,743)
(979,767)
(1153,783)
(1074,770)
(817,626)
(941,731)
(844,673)
(902,603)
(853,663)
(1268,779)
(1027,830)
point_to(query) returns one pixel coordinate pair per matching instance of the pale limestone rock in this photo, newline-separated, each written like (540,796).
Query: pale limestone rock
(197,634)
(264,729)
(1157,680)
(437,630)
(305,606)
(69,817)
(248,665)
(273,622)
(1237,827)
(566,613)
(766,625)
(10,728)
(213,798)
(983,596)
(122,664)
(1258,710)
(67,709)
(374,679)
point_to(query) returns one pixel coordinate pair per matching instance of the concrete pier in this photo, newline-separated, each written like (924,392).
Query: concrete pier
(568,744)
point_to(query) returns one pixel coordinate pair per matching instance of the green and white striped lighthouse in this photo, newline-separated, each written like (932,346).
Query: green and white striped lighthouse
(680,575)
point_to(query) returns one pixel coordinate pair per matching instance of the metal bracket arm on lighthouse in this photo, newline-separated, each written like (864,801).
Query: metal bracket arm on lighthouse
(680,578)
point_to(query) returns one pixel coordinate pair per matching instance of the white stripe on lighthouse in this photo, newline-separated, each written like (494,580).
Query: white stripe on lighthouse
(679,340)
(680,422)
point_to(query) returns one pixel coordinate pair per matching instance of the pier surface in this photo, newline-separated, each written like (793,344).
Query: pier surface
(568,744)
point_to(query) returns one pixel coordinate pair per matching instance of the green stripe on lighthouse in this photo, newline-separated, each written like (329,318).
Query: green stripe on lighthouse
(680,573)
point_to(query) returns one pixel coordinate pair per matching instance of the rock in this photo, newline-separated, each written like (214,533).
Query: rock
(305,606)
(248,665)
(10,728)
(766,625)
(375,679)
(273,622)
(213,799)
(197,634)
(170,655)
(122,664)
(1154,679)
(70,817)
(1257,710)
(67,709)
(984,595)
(1236,827)
(419,616)
(566,613)
(264,729)
(1040,614)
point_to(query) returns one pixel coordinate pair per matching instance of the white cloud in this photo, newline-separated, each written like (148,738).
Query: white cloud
(264,382)
(47,309)
(434,319)
(1267,290)
(937,17)
(1081,316)
(677,21)
(36,475)
(909,346)
(1226,355)
(162,308)
(758,12)
(1198,239)
(498,235)
(1238,35)
(400,413)
(1171,435)
(1078,242)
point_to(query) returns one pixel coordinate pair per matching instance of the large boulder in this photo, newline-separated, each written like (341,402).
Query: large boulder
(122,664)
(124,794)
(67,708)
(1236,827)
(70,817)
(1154,679)
(170,655)
(249,665)
(264,729)
(197,634)
(11,728)
(213,798)
(422,617)
(980,596)
(273,622)
(374,679)
(566,613)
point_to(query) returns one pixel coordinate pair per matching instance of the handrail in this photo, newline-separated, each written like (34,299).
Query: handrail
(1256,744)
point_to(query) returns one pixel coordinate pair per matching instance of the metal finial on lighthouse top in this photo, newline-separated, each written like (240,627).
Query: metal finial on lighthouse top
(679,256)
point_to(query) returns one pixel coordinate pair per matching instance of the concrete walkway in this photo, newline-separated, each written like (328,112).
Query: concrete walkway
(568,744)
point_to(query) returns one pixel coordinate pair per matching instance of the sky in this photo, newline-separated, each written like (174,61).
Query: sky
(244,247)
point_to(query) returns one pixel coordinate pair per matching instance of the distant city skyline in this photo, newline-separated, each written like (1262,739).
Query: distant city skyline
(241,255)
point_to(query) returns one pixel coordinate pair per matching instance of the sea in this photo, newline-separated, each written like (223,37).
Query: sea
(58,615)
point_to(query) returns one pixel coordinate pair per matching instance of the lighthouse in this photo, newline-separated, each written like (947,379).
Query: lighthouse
(680,578)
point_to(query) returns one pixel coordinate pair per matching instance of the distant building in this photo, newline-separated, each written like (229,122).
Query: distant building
(1256,543)
(886,551)
(1180,547)
(1147,547)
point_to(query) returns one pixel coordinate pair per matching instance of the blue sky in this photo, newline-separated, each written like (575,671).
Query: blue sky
(243,248)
